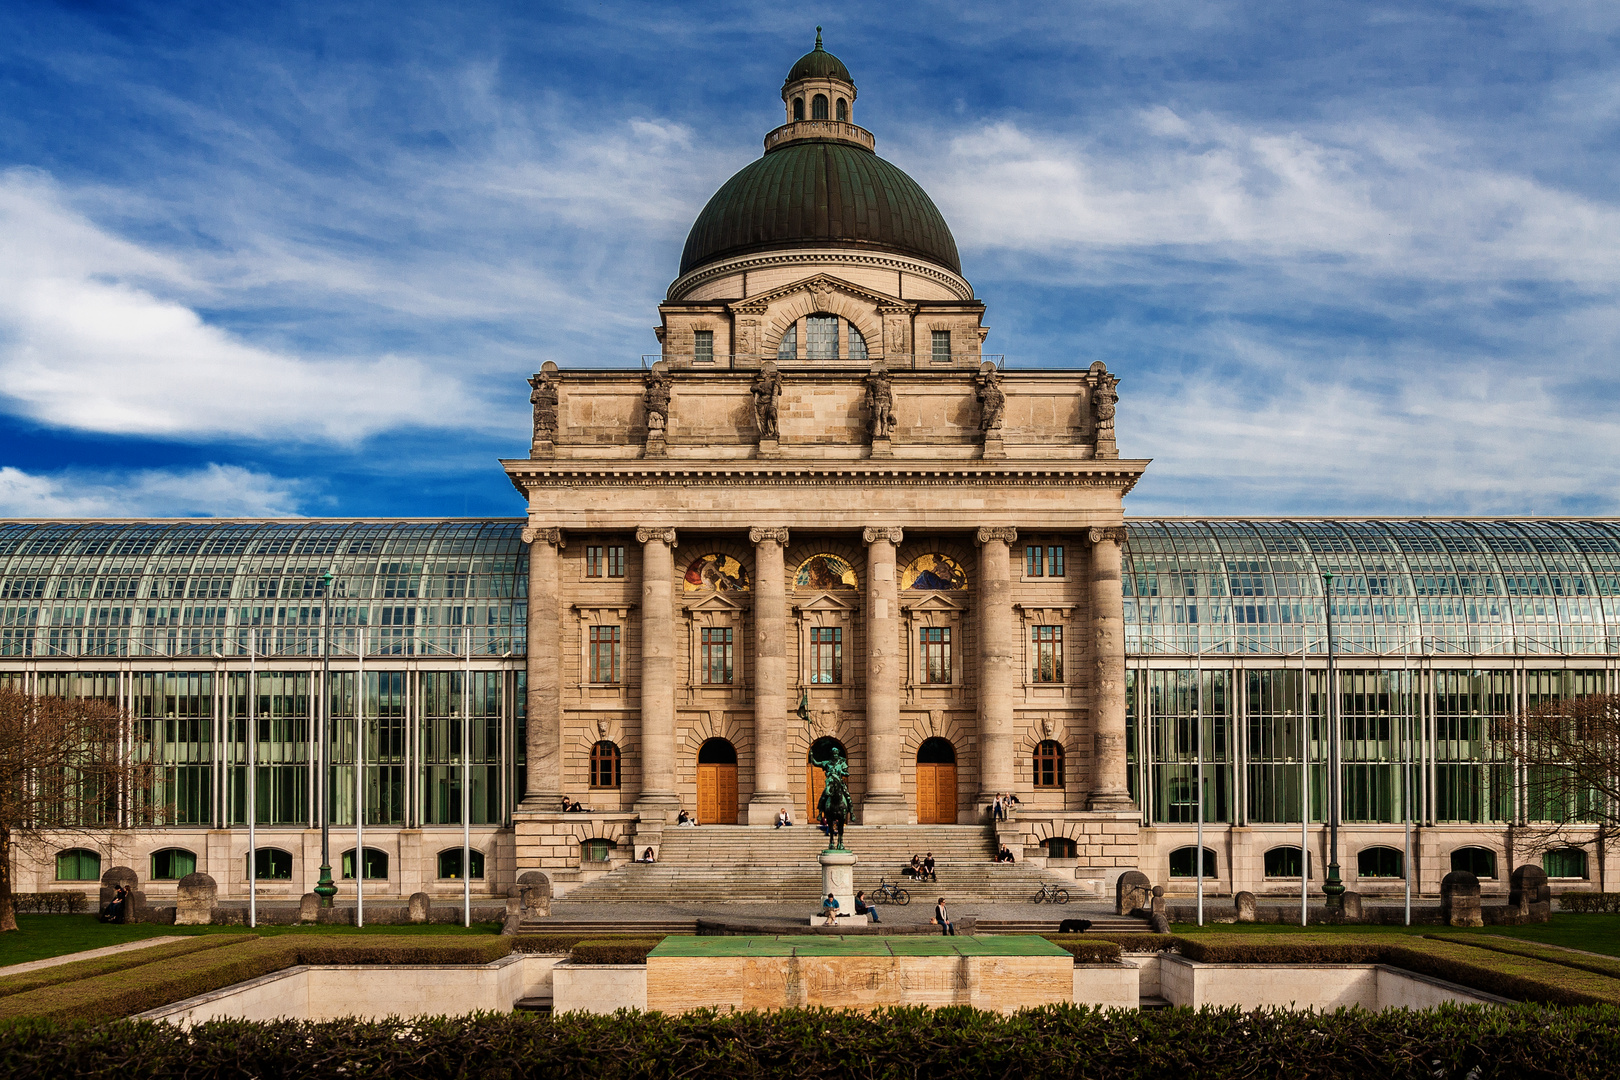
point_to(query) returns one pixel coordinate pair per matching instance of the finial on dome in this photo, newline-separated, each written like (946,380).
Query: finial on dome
(818,40)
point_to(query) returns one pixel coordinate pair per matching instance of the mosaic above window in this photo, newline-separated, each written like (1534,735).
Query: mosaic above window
(939,572)
(715,571)
(825,571)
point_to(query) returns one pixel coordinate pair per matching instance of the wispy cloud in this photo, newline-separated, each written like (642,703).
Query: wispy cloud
(212,491)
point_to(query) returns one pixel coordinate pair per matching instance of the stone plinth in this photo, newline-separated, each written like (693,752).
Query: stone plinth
(998,973)
(194,900)
(838,878)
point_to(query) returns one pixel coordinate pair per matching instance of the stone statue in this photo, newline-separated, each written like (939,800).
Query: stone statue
(1103,398)
(767,392)
(880,404)
(544,400)
(991,401)
(657,401)
(835,805)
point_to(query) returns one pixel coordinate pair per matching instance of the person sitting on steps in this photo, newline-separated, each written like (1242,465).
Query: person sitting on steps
(943,920)
(1004,855)
(685,819)
(915,869)
(783,819)
(928,867)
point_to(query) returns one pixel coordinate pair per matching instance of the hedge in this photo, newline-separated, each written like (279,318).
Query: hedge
(1448,1043)
(105,965)
(1085,948)
(1139,943)
(1590,903)
(607,950)
(1552,954)
(51,903)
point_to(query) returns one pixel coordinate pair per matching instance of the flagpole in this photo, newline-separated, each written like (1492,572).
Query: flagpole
(1304,784)
(359,783)
(1198,713)
(252,778)
(466,781)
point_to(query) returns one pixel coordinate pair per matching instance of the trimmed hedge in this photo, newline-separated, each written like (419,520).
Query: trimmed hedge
(610,950)
(51,903)
(1552,954)
(149,986)
(105,965)
(1085,948)
(548,943)
(1590,903)
(1139,943)
(1449,1043)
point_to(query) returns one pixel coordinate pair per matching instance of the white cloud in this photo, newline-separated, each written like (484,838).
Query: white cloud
(92,338)
(212,491)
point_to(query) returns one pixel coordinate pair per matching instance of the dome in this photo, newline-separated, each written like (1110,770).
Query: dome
(818,63)
(820,193)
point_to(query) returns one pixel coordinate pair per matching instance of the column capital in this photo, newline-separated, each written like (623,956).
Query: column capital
(659,534)
(552,536)
(874,533)
(1005,533)
(1107,534)
(759,535)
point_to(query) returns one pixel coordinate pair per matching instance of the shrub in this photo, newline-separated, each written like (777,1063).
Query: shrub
(547,943)
(51,903)
(1085,948)
(945,1044)
(1140,943)
(611,950)
(1590,903)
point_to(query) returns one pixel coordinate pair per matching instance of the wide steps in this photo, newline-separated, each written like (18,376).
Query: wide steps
(549,925)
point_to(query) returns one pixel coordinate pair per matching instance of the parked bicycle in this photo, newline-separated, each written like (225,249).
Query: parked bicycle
(890,894)
(1052,894)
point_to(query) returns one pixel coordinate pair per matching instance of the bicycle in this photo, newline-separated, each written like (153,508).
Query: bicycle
(1052,894)
(890,894)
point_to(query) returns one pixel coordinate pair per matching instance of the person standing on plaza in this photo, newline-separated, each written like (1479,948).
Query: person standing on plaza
(943,918)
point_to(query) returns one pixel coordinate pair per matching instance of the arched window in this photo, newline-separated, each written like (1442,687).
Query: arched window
(821,337)
(375,865)
(1481,862)
(936,751)
(1181,863)
(450,864)
(857,344)
(1378,862)
(78,864)
(1282,862)
(1049,763)
(1565,863)
(1060,847)
(272,864)
(843,109)
(717,752)
(172,864)
(596,851)
(798,108)
(788,348)
(818,107)
(604,765)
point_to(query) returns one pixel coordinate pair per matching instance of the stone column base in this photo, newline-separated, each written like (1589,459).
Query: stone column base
(765,805)
(885,810)
(659,809)
(1111,802)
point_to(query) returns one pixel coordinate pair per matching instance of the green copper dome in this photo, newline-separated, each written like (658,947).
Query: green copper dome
(820,193)
(818,63)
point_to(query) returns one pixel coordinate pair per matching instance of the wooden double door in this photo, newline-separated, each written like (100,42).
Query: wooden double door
(717,783)
(936,783)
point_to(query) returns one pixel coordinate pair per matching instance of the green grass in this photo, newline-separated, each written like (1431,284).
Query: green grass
(40,936)
(1593,933)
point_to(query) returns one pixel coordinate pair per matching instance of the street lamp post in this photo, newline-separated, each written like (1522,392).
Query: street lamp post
(1332,886)
(324,888)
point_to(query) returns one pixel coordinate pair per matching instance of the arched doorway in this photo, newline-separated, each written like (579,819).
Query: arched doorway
(717,783)
(814,779)
(936,783)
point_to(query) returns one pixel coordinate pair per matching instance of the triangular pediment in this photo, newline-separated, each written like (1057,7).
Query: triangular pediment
(826,601)
(818,285)
(933,601)
(715,602)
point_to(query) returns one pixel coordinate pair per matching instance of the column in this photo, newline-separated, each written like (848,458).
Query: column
(885,802)
(770,676)
(543,681)
(659,800)
(1109,790)
(998,661)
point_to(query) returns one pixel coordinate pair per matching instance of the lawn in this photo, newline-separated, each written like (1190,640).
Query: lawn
(41,936)
(1593,933)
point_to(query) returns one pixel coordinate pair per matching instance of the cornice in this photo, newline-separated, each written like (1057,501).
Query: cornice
(1099,473)
(817,257)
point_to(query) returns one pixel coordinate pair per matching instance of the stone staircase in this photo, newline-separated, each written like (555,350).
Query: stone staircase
(740,864)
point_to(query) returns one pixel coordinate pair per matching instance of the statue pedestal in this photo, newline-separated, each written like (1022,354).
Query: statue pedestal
(838,878)
(881,448)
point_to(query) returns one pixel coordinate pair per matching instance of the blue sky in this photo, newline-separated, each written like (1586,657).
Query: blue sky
(298,258)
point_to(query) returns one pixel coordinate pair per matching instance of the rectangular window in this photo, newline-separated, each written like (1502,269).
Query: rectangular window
(1032,561)
(717,655)
(942,346)
(595,563)
(607,653)
(827,654)
(1046,642)
(703,346)
(936,654)
(615,560)
(1054,560)
(821,337)
(789,348)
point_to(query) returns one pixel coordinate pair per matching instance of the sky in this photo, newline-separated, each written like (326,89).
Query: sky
(298,259)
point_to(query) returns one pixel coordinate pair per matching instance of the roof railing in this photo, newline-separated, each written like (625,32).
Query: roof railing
(894,361)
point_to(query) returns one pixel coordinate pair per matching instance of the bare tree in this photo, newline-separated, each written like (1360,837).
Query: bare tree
(62,772)
(1570,750)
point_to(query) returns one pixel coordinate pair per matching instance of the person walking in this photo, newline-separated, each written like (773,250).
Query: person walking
(829,908)
(863,908)
(943,918)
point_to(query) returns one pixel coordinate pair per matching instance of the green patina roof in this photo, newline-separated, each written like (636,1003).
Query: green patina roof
(820,193)
(818,63)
